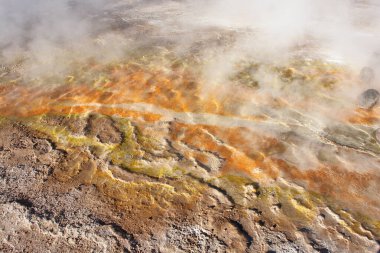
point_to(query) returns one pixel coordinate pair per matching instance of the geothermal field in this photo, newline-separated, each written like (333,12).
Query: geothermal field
(190,126)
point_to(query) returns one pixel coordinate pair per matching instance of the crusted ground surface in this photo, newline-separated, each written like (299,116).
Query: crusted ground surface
(146,153)
(133,161)
(103,184)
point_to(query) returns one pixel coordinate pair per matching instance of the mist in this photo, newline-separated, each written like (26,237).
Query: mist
(53,37)
(346,31)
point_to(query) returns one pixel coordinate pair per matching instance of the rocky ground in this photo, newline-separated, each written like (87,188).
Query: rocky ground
(70,198)
(49,208)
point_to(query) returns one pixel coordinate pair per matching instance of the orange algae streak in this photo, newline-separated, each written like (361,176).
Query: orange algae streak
(355,189)
(197,137)
(245,151)
(365,117)
(179,93)
(255,146)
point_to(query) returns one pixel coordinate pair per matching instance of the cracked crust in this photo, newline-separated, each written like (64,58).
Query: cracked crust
(75,197)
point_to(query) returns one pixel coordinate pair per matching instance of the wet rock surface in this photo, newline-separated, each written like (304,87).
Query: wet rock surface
(368,98)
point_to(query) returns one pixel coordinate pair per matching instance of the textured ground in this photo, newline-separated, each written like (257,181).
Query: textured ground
(73,199)
(145,154)
(93,168)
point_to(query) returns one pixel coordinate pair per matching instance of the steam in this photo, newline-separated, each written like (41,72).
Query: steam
(48,36)
(52,37)
(346,30)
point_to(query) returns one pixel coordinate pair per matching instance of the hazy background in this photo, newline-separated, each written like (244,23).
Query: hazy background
(53,37)
(45,31)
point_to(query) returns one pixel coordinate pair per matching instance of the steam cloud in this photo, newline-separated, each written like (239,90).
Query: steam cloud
(49,36)
(344,30)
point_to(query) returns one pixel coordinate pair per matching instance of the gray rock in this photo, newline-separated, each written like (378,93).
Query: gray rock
(355,137)
(368,98)
(367,75)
